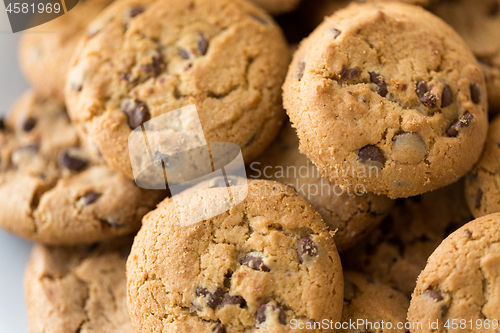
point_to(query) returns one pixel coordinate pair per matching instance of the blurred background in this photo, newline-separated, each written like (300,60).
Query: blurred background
(14,252)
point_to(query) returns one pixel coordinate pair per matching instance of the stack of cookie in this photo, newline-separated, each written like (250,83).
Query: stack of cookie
(350,209)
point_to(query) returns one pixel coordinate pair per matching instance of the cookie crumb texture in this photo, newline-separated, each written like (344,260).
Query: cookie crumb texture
(397,251)
(461,278)
(367,299)
(48,48)
(141,59)
(268,260)
(80,289)
(478,22)
(483,195)
(350,215)
(52,191)
(388,96)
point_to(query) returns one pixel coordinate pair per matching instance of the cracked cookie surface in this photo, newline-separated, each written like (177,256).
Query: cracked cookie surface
(396,252)
(80,289)
(49,47)
(146,58)
(482,182)
(372,301)
(52,192)
(478,22)
(388,96)
(266,261)
(351,215)
(461,278)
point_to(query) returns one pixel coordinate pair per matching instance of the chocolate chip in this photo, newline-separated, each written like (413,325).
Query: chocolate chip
(259,19)
(379,81)
(299,70)
(71,162)
(261,314)
(154,68)
(335,32)
(433,294)
(371,153)
(427,99)
(219,329)
(202,44)
(494,8)
(234,300)
(468,233)
(447,96)
(479,197)
(255,263)
(91,197)
(28,124)
(475,93)
(353,73)
(213,299)
(134,11)
(459,124)
(136,111)
(76,87)
(306,247)
(183,54)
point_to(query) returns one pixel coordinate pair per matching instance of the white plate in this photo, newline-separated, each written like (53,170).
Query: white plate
(14,252)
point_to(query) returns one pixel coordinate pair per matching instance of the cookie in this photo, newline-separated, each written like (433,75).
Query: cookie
(50,189)
(478,22)
(48,48)
(351,215)
(146,58)
(373,302)
(460,281)
(266,262)
(482,193)
(397,251)
(401,115)
(81,289)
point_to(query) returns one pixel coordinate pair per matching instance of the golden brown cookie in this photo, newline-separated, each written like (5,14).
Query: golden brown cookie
(388,96)
(460,283)
(50,189)
(373,303)
(146,58)
(478,22)
(48,48)
(397,251)
(482,192)
(351,215)
(81,289)
(265,262)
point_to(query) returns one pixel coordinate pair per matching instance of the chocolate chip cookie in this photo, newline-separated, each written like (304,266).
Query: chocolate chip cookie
(460,280)
(81,289)
(50,189)
(374,302)
(388,96)
(146,58)
(397,251)
(266,261)
(351,215)
(478,22)
(48,48)
(482,192)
